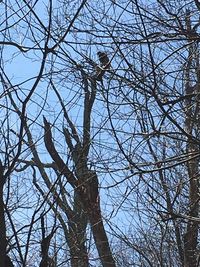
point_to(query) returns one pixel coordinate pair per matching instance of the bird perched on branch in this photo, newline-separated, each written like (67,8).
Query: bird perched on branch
(105,64)
(104,60)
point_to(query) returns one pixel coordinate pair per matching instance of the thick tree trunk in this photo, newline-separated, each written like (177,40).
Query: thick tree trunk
(191,123)
(77,235)
(2,222)
(78,254)
(100,237)
(91,201)
(191,235)
(89,197)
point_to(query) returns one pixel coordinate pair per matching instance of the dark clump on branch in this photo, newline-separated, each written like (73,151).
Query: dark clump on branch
(104,60)
(105,65)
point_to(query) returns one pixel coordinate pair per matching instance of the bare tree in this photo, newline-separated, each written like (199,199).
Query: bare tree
(100,133)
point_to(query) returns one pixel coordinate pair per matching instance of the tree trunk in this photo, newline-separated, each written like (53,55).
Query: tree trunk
(191,123)
(100,238)
(89,197)
(191,235)
(77,235)
(2,222)
(95,219)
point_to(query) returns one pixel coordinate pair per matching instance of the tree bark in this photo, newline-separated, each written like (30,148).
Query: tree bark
(77,235)
(100,237)
(96,221)
(2,221)
(191,235)
(191,123)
